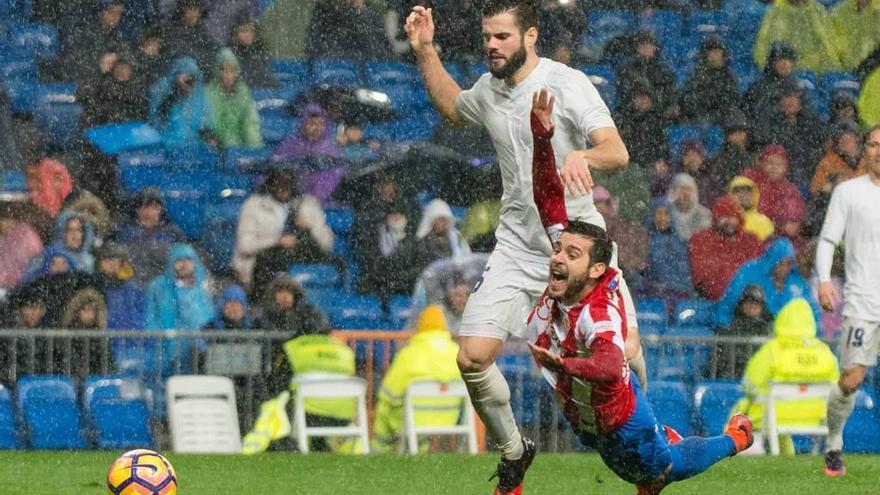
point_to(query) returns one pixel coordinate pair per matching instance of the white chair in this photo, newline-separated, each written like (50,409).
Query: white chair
(791,392)
(328,386)
(202,415)
(438,390)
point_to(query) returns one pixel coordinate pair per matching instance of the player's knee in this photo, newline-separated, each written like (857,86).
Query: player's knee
(851,380)
(472,360)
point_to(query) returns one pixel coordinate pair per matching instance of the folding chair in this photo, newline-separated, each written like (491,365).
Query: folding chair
(329,386)
(788,392)
(438,390)
(202,415)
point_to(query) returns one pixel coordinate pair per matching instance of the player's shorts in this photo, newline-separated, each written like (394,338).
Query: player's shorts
(503,298)
(859,342)
(638,452)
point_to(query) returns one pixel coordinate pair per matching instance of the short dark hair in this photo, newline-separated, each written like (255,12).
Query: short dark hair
(600,251)
(525,12)
(867,134)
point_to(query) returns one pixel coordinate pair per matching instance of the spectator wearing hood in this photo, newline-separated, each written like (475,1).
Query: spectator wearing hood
(124,297)
(844,109)
(179,109)
(357,31)
(75,233)
(746,194)
(284,308)
(49,184)
(266,214)
(841,160)
(789,224)
(112,98)
(805,25)
(710,92)
(186,36)
(734,156)
(247,45)
(54,259)
(761,97)
(180,300)
(645,65)
(796,127)
(149,235)
(436,238)
(232,312)
(19,243)
(750,319)
(770,174)
(631,238)
(717,252)
(692,161)
(689,215)
(854,24)
(223,15)
(314,138)
(87,310)
(83,47)
(668,275)
(641,123)
(776,273)
(236,121)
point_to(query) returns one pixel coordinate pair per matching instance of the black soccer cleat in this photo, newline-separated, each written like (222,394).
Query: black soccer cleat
(510,474)
(834,464)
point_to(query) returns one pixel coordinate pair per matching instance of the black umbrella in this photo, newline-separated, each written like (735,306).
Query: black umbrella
(347,104)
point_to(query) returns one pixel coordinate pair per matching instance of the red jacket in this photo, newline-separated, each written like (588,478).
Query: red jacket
(715,258)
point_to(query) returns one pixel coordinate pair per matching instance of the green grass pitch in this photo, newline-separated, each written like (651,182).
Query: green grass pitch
(82,473)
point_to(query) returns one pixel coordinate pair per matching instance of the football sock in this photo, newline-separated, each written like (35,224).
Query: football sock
(490,396)
(693,455)
(637,365)
(840,406)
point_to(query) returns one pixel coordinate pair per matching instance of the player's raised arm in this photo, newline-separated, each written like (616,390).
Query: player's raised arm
(443,89)
(547,187)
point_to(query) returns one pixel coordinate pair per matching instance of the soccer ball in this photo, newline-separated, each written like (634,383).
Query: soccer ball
(141,472)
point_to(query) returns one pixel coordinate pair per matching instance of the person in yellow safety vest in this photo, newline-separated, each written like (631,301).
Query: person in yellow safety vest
(307,354)
(429,355)
(794,355)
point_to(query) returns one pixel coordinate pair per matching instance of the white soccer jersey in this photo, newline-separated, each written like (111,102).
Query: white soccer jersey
(504,111)
(854,216)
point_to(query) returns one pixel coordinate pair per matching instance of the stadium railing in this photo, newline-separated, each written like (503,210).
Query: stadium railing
(247,357)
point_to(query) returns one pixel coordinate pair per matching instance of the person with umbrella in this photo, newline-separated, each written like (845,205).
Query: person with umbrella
(516,273)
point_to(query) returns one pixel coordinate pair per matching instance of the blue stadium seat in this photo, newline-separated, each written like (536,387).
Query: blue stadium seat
(809,84)
(246,159)
(285,70)
(59,123)
(694,312)
(834,82)
(48,406)
(417,128)
(671,401)
(9,438)
(476,70)
(274,101)
(340,219)
(277,128)
(663,23)
(34,40)
(685,359)
(603,25)
(353,312)
(457,73)
(218,239)
(113,139)
(315,275)
(676,135)
(400,309)
(713,138)
(186,206)
(20,77)
(713,401)
(140,169)
(652,312)
(117,411)
(199,157)
(862,431)
(407,98)
(604,79)
(708,22)
(382,74)
(13,181)
(342,72)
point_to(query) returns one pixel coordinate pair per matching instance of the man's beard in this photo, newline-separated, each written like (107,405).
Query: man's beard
(517,60)
(575,286)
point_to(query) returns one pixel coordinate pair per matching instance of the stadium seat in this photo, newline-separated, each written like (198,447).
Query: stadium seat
(354,312)
(9,438)
(676,135)
(59,123)
(400,311)
(713,401)
(117,410)
(383,74)
(285,70)
(457,73)
(277,128)
(417,128)
(140,169)
(113,139)
(707,22)
(200,157)
(694,312)
(186,206)
(406,99)
(34,40)
(671,401)
(48,406)
(246,159)
(13,181)
(685,359)
(602,25)
(272,101)
(663,23)
(340,219)
(604,79)
(341,72)
(713,138)
(315,275)
(652,312)
(862,431)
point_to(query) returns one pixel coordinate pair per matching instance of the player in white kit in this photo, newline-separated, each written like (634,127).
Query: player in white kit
(853,217)
(516,273)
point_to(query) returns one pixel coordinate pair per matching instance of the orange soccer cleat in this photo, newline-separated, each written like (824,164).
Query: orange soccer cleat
(740,430)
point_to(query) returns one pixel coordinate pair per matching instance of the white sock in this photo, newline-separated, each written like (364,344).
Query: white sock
(490,396)
(840,406)
(638,366)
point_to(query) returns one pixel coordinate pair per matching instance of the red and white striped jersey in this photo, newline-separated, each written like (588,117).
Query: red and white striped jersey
(593,408)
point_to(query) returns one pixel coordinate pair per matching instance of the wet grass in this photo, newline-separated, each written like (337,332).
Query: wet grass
(59,473)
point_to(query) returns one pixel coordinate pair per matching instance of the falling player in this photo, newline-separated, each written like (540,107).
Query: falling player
(515,274)
(581,326)
(854,217)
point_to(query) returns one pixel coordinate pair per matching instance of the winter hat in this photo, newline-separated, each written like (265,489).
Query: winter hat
(432,320)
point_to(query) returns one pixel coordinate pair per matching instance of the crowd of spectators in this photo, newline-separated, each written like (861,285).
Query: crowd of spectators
(731,226)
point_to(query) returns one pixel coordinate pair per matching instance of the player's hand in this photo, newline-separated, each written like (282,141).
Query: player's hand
(575,173)
(419,28)
(546,358)
(542,107)
(828,296)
